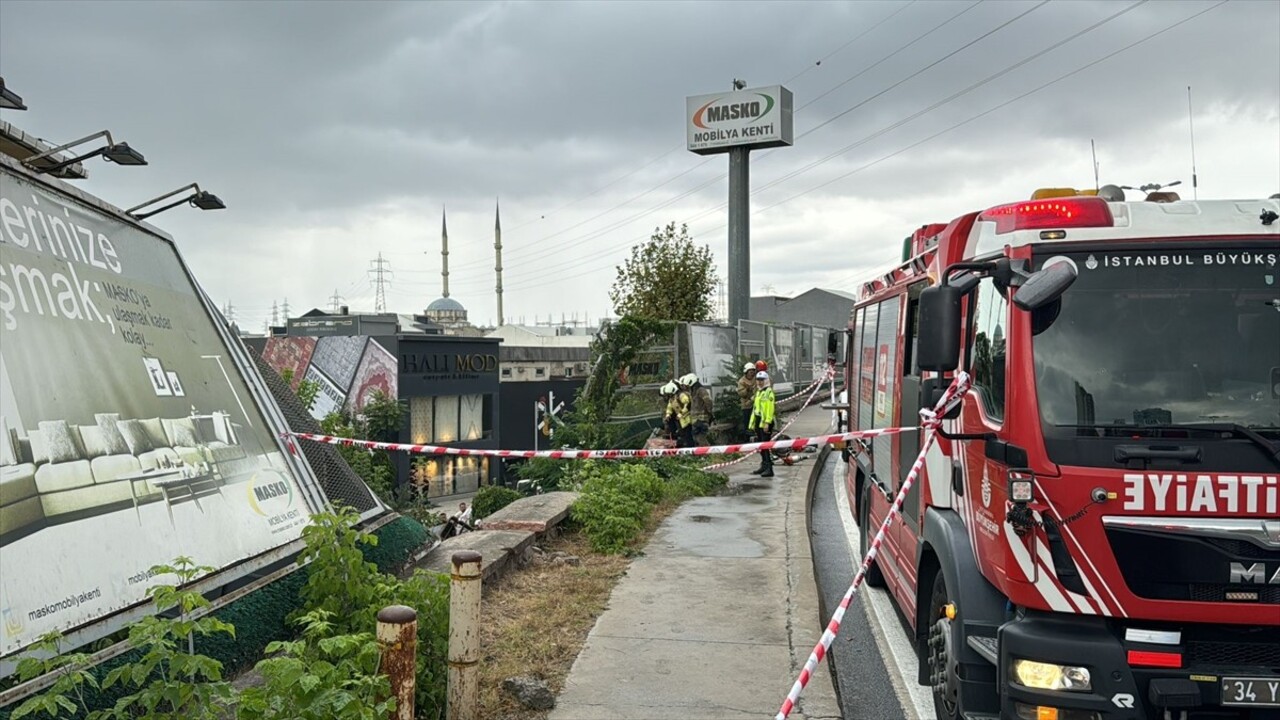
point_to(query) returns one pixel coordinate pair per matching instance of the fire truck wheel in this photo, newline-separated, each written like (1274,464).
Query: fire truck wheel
(874,577)
(943,677)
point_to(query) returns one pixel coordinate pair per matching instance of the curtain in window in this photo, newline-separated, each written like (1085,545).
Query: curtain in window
(446,419)
(472,417)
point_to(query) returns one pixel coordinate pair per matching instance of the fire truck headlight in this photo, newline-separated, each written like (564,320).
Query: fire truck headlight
(1047,676)
(1020,486)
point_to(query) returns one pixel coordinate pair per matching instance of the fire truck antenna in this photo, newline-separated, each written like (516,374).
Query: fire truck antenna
(1191,125)
(1094,150)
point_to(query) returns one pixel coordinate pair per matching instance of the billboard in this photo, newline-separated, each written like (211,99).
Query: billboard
(128,434)
(755,118)
(348,369)
(715,349)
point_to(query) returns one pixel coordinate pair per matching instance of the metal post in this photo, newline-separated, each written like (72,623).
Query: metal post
(464,636)
(398,638)
(739,235)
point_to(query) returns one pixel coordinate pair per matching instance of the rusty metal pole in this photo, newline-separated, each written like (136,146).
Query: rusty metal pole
(464,636)
(398,638)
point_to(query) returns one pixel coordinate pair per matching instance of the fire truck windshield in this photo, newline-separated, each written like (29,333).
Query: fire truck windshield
(1161,337)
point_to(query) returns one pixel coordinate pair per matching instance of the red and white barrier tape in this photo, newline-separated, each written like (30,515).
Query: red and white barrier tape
(793,444)
(815,387)
(929,419)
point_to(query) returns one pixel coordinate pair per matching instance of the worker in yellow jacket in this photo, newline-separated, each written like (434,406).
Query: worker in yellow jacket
(670,421)
(762,419)
(684,413)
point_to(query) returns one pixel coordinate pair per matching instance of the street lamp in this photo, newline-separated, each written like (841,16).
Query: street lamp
(10,100)
(198,199)
(118,153)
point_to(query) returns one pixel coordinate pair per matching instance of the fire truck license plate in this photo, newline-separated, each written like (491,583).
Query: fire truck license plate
(1264,692)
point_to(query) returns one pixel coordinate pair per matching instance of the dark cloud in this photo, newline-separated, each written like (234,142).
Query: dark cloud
(337,130)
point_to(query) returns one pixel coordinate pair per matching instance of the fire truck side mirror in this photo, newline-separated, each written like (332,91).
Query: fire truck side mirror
(939,345)
(1046,285)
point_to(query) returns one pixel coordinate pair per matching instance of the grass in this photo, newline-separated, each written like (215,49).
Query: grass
(537,618)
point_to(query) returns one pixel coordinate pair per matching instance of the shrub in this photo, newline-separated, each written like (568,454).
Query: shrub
(491,499)
(610,517)
(691,482)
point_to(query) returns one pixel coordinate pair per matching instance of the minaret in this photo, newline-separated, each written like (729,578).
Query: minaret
(444,251)
(497,254)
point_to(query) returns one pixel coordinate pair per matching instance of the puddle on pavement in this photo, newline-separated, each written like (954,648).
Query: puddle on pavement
(717,526)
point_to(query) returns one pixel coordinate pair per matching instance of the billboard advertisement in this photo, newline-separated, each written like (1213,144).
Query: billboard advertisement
(714,351)
(128,435)
(349,370)
(756,118)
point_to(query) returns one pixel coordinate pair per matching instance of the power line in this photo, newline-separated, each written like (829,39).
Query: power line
(674,148)
(877,63)
(903,121)
(918,38)
(955,126)
(897,124)
(847,43)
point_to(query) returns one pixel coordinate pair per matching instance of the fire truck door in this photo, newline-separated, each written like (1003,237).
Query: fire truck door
(909,443)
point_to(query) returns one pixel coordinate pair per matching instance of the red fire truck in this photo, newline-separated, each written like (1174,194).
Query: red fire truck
(1096,533)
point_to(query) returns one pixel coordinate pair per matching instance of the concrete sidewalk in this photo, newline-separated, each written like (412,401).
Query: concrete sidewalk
(718,616)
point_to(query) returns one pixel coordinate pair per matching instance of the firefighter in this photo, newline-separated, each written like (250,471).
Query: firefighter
(762,417)
(703,412)
(746,397)
(670,421)
(683,402)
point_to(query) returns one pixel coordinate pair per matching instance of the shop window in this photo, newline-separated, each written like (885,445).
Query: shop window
(446,422)
(471,417)
(440,476)
(421,413)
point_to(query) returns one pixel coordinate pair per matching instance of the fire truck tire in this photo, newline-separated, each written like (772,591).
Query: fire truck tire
(874,578)
(944,679)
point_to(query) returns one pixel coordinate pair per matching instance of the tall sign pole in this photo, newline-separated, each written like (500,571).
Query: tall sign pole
(736,123)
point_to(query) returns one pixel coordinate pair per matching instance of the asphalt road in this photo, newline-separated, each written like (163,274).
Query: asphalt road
(871,657)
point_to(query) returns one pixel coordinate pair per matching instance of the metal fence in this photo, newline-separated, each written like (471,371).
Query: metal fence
(797,354)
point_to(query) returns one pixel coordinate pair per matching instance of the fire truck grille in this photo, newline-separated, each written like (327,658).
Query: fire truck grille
(1264,594)
(1167,566)
(1232,653)
(1240,548)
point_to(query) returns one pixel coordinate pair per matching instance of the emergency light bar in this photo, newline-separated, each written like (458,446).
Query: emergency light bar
(1055,213)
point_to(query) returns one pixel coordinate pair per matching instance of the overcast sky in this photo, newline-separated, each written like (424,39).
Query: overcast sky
(336,131)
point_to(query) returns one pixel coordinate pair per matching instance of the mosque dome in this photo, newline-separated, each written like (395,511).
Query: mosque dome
(445,304)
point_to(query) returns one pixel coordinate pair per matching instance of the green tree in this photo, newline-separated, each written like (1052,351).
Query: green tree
(666,278)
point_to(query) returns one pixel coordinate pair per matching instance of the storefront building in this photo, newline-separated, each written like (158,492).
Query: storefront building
(448,386)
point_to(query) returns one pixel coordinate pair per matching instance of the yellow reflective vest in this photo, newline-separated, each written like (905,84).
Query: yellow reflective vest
(762,411)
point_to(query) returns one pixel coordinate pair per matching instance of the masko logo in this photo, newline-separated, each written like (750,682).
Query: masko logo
(269,493)
(713,113)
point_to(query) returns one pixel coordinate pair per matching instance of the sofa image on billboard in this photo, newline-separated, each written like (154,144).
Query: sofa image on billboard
(60,471)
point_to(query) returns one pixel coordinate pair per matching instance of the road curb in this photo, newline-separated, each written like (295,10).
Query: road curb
(824,611)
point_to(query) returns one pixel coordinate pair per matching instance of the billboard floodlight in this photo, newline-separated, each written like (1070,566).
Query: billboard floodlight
(119,153)
(201,199)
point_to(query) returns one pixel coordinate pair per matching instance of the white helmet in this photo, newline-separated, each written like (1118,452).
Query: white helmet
(689,380)
(749,367)
(762,375)
(668,389)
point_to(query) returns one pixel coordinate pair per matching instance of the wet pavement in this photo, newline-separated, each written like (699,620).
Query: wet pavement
(717,617)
